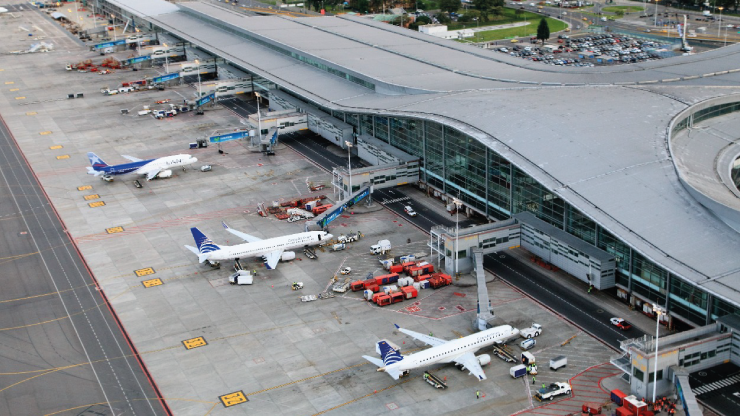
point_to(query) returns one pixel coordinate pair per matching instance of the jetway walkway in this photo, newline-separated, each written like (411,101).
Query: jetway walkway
(323,220)
(485,312)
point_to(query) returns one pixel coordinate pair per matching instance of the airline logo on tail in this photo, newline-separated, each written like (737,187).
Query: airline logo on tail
(389,355)
(96,163)
(204,245)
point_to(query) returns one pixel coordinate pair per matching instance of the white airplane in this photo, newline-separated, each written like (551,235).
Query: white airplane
(271,250)
(461,351)
(152,168)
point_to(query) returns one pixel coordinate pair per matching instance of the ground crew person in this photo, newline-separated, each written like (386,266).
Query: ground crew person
(544,386)
(533,380)
(477,394)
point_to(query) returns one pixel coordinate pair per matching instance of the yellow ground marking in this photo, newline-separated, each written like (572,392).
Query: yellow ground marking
(14,89)
(91,197)
(60,157)
(113,230)
(9,82)
(20,98)
(31,113)
(96,204)
(144,272)
(44,133)
(232,399)
(55,147)
(152,282)
(194,343)
(84,187)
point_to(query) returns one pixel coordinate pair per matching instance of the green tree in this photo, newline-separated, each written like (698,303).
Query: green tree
(443,18)
(449,6)
(484,6)
(543,31)
(421,20)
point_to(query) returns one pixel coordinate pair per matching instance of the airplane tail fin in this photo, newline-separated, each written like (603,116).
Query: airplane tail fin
(389,354)
(95,161)
(203,243)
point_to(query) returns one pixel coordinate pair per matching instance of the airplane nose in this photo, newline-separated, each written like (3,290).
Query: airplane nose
(328,236)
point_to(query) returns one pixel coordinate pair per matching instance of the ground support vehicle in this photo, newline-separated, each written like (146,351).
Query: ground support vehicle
(308,298)
(434,381)
(382,247)
(503,352)
(552,391)
(558,362)
(534,331)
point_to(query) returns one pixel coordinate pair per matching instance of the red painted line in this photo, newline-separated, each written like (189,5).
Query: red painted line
(152,383)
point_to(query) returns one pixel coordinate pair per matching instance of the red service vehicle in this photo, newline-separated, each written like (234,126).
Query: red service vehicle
(358,285)
(407,266)
(440,280)
(373,287)
(422,277)
(635,406)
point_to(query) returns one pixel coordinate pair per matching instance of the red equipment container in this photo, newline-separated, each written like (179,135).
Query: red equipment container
(422,277)
(397,297)
(358,285)
(383,299)
(621,411)
(420,270)
(374,287)
(386,279)
(440,280)
(634,405)
(591,408)
(406,266)
(409,292)
(376,296)
(617,396)
(396,268)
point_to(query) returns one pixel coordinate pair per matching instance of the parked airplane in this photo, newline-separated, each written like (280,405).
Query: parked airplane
(460,351)
(152,168)
(271,250)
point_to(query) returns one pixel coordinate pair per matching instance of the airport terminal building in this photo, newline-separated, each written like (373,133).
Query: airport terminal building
(636,160)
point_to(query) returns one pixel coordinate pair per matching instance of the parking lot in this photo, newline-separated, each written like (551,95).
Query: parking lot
(589,51)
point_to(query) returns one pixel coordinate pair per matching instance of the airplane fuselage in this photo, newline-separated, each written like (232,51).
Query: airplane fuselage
(448,351)
(260,248)
(144,166)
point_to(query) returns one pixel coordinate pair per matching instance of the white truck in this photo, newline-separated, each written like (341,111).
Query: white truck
(242,277)
(349,238)
(534,331)
(338,247)
(552,391)
(382,247)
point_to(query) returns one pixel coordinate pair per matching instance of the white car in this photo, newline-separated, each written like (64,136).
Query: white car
(410,211)
(345,270)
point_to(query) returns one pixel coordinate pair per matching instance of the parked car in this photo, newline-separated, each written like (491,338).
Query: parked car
(410,211)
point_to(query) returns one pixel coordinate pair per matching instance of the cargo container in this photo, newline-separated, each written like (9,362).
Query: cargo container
(424,268)
(396,268)
(383,300)
(390,289)
(591,408)
(375,297)
(417,285)
(422,277)
(373,287)
(386,279)
(410,292)
(558,362)
(440,280)
(368,294)
(527,358)
(408,265)
(518,371)
(617,396)
(425,284)
(405,281)
(397,297)
(358,285)
(636,406)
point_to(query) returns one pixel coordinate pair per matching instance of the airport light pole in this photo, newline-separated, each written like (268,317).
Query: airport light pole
(200,93)
(658,312)
(349,163)
(719,24)
(259,117)
(458,204)
(166,63)
(656,13)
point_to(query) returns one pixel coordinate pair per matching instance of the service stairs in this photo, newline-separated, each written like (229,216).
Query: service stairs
(706,388)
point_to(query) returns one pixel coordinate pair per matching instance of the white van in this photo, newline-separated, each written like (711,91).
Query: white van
(528,344)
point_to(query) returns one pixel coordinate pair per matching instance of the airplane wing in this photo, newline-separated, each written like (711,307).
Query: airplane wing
(131,158)
(470,362)
(152,174)
(427,339)
(272,259)
(244,236)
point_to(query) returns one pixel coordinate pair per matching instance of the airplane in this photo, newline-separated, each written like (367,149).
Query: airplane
(461,351)
(271,250)
(152,168)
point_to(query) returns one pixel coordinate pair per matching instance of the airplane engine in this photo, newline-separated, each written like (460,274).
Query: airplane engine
(484,359)
(165,174)
(288,256)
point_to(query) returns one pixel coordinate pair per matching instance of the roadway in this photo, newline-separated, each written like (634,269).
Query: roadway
(580,311)
(61,346)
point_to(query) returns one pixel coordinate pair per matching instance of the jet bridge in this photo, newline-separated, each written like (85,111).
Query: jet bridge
(484,316)
(322,221)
